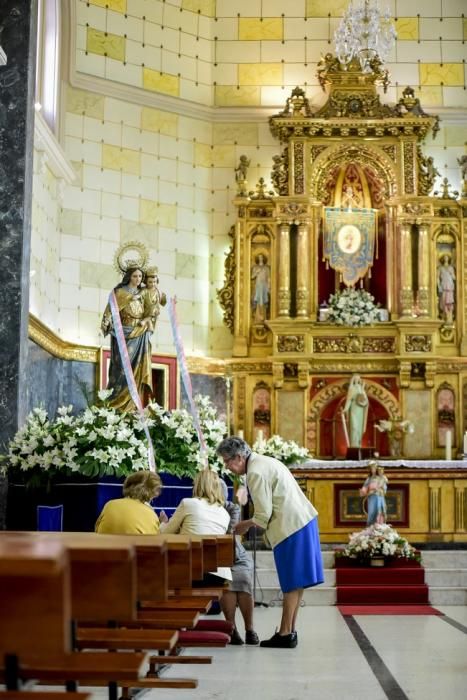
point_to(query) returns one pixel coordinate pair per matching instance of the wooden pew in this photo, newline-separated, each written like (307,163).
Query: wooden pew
(35,624)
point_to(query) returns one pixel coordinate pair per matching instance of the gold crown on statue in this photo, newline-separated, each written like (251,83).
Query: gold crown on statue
(152,271)
(131,254)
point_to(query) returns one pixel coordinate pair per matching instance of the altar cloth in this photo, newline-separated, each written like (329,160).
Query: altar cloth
(404,463)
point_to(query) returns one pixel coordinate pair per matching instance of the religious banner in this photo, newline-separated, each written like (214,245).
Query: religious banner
(349,241)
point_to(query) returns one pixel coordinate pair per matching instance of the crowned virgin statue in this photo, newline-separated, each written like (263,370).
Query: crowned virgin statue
(138,301)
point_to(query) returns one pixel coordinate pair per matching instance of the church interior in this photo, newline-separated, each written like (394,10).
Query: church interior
(303,208)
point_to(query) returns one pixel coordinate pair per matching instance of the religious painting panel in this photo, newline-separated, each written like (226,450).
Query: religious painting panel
(349,506)
(262,410)
(446,422)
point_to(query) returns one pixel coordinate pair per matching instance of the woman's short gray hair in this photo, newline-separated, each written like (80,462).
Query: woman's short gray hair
(232,446)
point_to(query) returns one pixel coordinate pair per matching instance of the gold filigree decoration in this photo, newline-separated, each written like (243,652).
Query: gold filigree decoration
(427,173)
(390,150)
(131,254)
(292,210)
(299,173)
(261,191)
(409,183)
(316,150)
(418,343)
(225,295)
(290,343)
(280,173)
(53,344)
(254,367)
(297,105)
(447,333)
(327,165)
(354,344)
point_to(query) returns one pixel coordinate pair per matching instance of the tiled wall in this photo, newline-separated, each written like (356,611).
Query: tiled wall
(252,52)
(45,244)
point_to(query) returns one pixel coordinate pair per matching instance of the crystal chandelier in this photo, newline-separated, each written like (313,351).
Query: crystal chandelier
(365,33)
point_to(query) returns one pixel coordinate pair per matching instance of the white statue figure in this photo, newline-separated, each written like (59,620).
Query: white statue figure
(396,428)
(356,406)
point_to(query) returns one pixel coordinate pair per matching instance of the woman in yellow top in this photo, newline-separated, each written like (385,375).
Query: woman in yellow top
(132,514)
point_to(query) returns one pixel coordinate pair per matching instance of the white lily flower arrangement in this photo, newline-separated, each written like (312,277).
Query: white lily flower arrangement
(101,441)
(378,540)
(286,451)
(352,307)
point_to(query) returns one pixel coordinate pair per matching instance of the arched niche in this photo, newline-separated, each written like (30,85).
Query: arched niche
(324,424)
(445,413)
(261,274)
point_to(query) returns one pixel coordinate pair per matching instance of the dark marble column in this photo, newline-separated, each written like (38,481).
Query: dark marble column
(18,30)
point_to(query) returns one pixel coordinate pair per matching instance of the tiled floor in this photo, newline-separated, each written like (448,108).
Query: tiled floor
(416,657)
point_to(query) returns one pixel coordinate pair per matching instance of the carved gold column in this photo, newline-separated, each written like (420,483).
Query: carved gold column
(423,270)
(284,270)
(406,270)
(303,292)
(435,506)
(460,506)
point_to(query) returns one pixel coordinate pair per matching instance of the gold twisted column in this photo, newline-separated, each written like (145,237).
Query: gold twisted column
(406,298)
(284,270)
(423,270)
(303,293)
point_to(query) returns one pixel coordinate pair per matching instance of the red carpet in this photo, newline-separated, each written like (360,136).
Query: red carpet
(388,610)
(399,583)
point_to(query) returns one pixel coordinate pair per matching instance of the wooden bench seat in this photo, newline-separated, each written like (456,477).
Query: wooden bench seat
(124,638)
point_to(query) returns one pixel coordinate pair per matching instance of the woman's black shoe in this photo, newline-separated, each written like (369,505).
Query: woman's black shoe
(251,637)
(280,641)
(235,638)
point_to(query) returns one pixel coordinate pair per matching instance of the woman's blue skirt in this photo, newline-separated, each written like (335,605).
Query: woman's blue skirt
(298,559)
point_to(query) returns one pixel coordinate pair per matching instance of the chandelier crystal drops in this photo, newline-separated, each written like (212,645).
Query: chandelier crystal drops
(365,32)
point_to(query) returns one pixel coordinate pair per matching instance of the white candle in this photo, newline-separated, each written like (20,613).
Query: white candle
(260,436)
(240,434)
(448,444)
(465,443)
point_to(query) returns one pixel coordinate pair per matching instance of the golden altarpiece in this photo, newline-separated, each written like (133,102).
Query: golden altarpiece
(291,367)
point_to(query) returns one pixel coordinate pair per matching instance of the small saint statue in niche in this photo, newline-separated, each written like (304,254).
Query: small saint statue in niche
(396,428)
(261,285)
(241,173)
(446,285)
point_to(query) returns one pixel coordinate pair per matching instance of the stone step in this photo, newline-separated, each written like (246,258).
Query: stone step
(318,595)
(445,559)
(268,578)
(446,577)
(447,595)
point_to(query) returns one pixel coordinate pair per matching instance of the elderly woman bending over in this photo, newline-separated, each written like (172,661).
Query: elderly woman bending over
(290,525)
(132,514)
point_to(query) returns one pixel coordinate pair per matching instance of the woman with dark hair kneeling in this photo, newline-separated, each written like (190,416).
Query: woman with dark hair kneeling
(132,514)
(290,525)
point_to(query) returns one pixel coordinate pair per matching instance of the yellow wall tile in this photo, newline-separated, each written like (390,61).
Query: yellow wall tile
(260,74)
(245,134)
(455,136)
(407,28)
(203,155)
(229,96)
(429,95)
(125,159)
(154,120)
(448,74)
(116,5)
(465,28)
(151,212)
(105,44)
(323,8)
(204,7)
(161,82)
(220,156)
(81,102)
(257,29)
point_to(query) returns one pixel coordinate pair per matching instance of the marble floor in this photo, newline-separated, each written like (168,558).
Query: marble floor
(360,658)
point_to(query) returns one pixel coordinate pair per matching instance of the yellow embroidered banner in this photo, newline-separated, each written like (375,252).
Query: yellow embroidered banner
(349,241)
